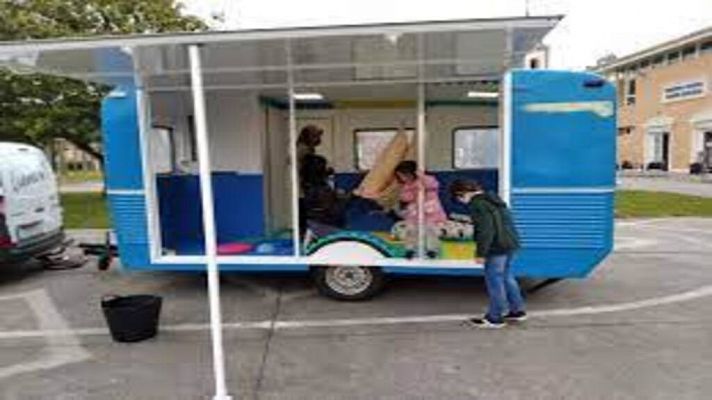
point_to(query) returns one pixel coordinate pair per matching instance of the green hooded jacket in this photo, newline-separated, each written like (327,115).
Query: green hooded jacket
(494,231)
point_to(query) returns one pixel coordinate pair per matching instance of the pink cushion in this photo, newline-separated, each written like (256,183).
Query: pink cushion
(234,248)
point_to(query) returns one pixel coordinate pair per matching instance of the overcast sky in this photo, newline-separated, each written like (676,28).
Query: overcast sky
(591,29)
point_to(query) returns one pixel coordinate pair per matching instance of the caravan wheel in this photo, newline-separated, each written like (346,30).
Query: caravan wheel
(348,282)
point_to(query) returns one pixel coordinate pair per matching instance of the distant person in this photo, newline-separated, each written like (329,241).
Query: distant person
(411,181)
(321,205)
(307,142)
(497,241)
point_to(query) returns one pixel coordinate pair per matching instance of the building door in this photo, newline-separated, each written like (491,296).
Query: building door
(658,153)
(665,155)
(707,151)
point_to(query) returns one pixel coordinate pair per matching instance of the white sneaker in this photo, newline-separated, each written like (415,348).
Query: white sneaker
(485,323)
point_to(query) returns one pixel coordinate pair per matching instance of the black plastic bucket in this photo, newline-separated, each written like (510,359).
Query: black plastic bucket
(132,318)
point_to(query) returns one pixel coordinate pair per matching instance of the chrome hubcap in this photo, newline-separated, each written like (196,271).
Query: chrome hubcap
(348,280)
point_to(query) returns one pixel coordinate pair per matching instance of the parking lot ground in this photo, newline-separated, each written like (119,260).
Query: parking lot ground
(640,327)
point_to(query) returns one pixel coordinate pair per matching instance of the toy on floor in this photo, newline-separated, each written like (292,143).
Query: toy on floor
(234,248)
(449,229)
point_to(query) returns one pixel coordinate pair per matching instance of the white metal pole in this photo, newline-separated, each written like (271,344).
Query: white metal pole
(421,165)
(505,169)
(293,165)
(206,199)
(143,110)
(422,132)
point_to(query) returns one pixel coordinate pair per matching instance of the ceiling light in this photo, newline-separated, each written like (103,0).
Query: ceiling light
(308,96)
(482,95)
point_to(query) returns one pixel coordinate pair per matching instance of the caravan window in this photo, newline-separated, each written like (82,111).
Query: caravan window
(476,147)
(371,142)
(162,149)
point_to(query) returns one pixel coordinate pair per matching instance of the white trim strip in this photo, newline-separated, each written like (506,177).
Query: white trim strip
(322,261)
(125,192)
(563,190)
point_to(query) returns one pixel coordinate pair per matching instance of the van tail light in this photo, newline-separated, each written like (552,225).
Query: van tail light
(5,240)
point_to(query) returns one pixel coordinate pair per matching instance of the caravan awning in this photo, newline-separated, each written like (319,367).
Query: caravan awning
(352,54)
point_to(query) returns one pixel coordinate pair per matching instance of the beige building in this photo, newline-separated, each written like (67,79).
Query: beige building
(68,157)
(665,104)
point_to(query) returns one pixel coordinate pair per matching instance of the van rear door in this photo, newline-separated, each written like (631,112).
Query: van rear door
(31,197)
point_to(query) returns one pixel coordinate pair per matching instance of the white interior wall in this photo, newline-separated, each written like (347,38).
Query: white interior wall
(279,208)
(235,122)
(441,121)
(236,126)
(241,129)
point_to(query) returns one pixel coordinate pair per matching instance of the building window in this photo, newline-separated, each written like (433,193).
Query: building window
(371,142)
(625,130)
(684,90)
(689,52)
(476,147)
(630,92)
(673,57)
(658,61)
(706,48)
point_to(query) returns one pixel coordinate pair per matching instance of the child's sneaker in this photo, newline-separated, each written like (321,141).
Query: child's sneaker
(518,316)
(486,323)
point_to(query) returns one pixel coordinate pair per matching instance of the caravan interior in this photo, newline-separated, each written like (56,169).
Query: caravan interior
(439,89)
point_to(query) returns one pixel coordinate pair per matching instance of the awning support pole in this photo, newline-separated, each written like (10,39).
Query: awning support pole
(421,143)
(206,199)
(294,162)
(421,165)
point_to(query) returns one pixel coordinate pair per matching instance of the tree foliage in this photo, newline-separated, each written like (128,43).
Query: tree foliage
(37,108)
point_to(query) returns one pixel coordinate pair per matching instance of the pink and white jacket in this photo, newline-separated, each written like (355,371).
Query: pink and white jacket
(433,210)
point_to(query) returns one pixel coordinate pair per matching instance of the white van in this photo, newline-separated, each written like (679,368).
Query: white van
(30,213)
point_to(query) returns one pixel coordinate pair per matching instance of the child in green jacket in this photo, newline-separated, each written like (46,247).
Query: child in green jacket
(497,241)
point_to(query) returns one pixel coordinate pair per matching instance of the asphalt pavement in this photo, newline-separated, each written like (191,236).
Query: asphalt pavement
(639,327)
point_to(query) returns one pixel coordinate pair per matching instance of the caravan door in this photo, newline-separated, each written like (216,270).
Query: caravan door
(559,169)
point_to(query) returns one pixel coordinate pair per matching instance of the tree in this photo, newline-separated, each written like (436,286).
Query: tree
(38,108)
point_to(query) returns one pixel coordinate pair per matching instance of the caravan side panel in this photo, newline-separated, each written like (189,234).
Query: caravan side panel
(124,177)
(563,171)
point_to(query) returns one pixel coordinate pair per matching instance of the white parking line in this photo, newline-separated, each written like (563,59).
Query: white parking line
(60,349)
(701,292)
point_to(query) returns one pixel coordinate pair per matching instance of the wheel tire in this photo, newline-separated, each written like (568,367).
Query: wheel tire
(348,283)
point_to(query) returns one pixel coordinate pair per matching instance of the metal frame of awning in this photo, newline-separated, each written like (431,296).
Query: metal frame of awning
(194,43)
(188,38)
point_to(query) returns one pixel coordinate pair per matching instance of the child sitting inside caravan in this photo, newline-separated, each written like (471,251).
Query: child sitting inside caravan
(411,181)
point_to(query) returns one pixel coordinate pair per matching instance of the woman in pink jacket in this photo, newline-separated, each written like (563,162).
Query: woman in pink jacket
(411,181)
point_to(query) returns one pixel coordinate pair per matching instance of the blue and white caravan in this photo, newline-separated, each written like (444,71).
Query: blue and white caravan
(201,130)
